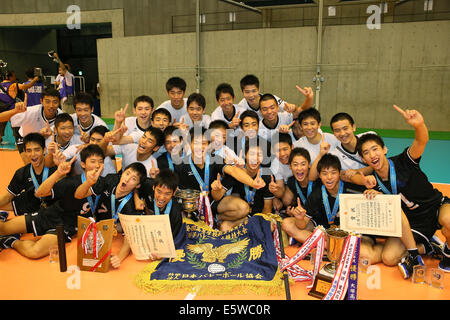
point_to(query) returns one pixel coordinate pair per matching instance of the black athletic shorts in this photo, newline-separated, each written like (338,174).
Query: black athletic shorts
(41,224)
(425,224)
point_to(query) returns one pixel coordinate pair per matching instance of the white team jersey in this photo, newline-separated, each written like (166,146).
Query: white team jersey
(206,120)
(96,121)
(280,171)
(284,118)
(129,156)
(134,130)
(218,115)
(244,104)
(348,159)
(62,148)
(227,154)
(71,152)
(175,113)
(314,149)
(32,120)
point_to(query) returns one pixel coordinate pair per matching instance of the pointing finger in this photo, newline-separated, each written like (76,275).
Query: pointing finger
(400,110)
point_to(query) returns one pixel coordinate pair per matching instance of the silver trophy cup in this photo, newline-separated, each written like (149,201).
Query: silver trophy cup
(189,199)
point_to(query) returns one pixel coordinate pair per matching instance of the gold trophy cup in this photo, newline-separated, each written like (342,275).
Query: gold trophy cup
(189,198)
(336,240)
(335,244)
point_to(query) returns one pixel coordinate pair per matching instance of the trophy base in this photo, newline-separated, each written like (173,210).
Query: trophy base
(322,284)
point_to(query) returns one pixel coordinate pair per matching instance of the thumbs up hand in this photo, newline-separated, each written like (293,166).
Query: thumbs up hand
(217,184)
(235,121)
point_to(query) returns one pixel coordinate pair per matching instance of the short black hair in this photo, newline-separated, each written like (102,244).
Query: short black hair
(84,98)
(102,130)
(50,92)
(91,150)
(29,73)
(169,131)
(329,161)
(195,130)
(218,124)
(341,116)
(267,97)
(309,113)
(34,137)
(278,137)
(168,178)
(300,152)
(139,168)
(368,137)
(176,82)
(63,117)
(249,80)
(248,114)
(251,144)
(224,88)
(198,98)
(163,111)
(157,134)
(143,98)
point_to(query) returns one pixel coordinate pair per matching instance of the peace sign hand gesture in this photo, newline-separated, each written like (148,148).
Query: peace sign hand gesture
(93,175)
(286,127)
(65,166)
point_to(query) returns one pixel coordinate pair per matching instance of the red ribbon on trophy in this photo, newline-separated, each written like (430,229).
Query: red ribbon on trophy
(339,285)
(315,240)
(85,243)
(204,208)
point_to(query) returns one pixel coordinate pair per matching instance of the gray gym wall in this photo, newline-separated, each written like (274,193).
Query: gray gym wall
(365,71)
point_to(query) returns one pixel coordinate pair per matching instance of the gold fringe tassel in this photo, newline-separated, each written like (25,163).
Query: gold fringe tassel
(274,287)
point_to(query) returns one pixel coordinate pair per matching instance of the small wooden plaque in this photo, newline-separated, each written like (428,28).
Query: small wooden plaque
(105,231)
(322,284)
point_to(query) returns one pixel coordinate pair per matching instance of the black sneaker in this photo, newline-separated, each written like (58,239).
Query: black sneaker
(4,215)
(6,242)
(406,265)
(444,265)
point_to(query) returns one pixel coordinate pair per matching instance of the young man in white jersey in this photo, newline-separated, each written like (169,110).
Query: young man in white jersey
(84,119)
(176,105)
(143,109)
(310,121)
(250,89)
(227,111)
(35,118)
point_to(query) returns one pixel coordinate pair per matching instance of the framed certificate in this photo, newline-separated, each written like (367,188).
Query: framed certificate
(380,216)
(148,235)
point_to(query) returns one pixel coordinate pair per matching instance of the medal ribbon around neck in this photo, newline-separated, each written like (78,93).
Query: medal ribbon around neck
(250,194)
(92,204)
(331,215)
(204,184)
(168,208)
(300,193)
(122,203)
(33,177)
(392,180)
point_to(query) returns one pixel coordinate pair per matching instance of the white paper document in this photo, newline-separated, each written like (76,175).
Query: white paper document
(380,216)
(148,235)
